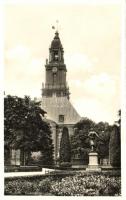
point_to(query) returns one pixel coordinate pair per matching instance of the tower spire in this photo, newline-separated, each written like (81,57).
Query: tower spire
(56,70)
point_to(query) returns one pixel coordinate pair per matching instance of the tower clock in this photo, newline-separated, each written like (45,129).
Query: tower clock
(56,70)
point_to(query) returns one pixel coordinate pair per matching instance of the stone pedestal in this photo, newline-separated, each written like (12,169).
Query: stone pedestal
(93,162)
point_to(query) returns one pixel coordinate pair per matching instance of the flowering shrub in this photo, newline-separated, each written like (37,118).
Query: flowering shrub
(44,185)
(77,185)
(90,185)
(19,187)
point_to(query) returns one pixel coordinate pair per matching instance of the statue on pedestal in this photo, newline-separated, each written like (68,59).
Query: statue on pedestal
(93,155)
(92,135)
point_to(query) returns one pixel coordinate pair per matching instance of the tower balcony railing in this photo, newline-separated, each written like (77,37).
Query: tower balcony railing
(58,86)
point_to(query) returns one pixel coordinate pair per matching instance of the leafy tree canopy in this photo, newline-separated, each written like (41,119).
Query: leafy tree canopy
(24,127)
(80,141)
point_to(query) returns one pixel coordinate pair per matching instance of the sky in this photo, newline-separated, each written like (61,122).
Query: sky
(91,38)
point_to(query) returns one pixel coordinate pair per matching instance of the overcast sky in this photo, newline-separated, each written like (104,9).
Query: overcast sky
(91,37)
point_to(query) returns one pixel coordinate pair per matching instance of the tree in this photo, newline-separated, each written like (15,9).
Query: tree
(104,130)
(119,118)
(80,144)
(115,143)
(25,129)
(114,147)
(65,147)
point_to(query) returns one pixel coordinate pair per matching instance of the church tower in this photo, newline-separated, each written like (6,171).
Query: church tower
(55,84)
(55,94)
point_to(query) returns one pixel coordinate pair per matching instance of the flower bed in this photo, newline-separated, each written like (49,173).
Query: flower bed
(76,185)
(29,187)
(90,185)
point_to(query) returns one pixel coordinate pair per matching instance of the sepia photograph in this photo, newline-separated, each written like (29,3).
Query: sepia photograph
(62,98)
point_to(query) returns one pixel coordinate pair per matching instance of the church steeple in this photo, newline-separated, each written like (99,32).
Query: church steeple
(55,94)
(55,83)
(56,50)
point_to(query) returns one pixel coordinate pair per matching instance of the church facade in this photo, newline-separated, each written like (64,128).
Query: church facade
(56,95)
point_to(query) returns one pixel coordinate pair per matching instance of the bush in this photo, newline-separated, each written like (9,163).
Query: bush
(88,185)
(65,164)
(80,184)
(21,186)
(44,185)
(111,189)
(18,187)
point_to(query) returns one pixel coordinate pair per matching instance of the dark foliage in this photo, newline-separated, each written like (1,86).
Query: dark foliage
(115,143)
(115,147)
(25,129)
(79,141)
(80,145)
(65,147)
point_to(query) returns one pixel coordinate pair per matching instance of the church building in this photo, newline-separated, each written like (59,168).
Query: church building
(56,94)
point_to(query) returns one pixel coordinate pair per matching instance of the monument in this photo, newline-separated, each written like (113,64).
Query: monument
(93,155)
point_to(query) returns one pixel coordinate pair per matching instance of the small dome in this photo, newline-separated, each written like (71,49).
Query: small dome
(56,43)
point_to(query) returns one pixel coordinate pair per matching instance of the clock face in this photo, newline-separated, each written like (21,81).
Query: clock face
(54,69)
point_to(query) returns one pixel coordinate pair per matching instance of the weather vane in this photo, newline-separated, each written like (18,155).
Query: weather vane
(57,23)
